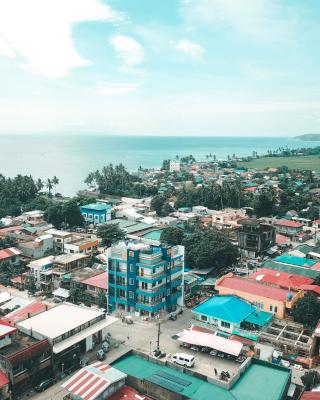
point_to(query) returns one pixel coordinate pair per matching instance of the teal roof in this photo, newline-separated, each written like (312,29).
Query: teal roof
(259,318)
(226,308)
(254,383)
(96,206)
(298,261)
(291,269)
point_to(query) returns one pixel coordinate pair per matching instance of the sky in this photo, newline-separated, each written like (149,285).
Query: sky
(160,67)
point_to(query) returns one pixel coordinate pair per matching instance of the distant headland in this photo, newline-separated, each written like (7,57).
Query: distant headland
(309,136)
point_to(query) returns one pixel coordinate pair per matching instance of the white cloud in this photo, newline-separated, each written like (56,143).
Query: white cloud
(118,89)
(39,31)
(129,51)
(6,49)
(192,49)
(259,19)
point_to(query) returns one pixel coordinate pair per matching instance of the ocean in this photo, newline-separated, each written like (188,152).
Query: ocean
(72,157)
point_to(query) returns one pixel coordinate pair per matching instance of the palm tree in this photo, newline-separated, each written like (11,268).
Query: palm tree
(55,182)
(39,185)
(49,186)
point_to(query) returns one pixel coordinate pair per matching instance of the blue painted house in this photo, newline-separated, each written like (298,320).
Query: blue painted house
(145,278)
(231,315)
(96,213)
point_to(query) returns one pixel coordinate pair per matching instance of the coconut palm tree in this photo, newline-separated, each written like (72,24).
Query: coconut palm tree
(55,182)
(49,186)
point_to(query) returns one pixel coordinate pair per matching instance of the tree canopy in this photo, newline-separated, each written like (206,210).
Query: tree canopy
(209,248)
(110,234)
(172,235)
(307,310)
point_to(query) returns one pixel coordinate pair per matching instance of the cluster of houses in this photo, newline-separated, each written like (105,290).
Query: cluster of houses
(78,285)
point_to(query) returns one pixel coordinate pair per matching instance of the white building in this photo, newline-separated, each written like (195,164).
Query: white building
(67,325)
(174,166)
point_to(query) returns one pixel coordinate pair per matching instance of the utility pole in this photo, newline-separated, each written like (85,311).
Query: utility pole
(158,339)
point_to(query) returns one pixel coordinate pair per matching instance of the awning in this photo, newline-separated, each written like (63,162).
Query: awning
(3,379)
(65,344)
(212,341)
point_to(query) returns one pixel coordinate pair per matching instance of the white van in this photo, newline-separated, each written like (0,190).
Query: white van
(183,359)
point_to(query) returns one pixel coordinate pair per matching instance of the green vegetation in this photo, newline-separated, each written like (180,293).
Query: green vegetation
(309,136)
(292,162)
(172,235)
(307,310)
(161,206)
(311,379)
(208,247)
(110,234)
(117,181)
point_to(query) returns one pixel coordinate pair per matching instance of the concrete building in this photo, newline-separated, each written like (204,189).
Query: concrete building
(96,213)
(60,238)
(145,278)
(174,166)
(231,314)
(229,218)
(81,244)
(33,218)
(288,228)
(24,361)
(71,331)
(255,237)
(37,247)
(10,255)
(265,297)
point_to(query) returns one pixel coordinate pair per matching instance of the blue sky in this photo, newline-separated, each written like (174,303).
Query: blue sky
(169,67)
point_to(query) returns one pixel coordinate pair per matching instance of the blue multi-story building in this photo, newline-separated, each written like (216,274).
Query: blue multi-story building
(96,213)
(145,278)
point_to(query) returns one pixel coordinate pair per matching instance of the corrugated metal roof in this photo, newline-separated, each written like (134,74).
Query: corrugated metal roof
(252,287)
(226,308)
(91,381)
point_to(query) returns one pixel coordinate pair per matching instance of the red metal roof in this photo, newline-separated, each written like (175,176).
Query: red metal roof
(310,396)
(242,340)
(282,279)
(311,288)
(27,311)
(8,253)
(252,287)
(100,281)
(281,239)
(3,379)
(12,228)
(128,393)
(316,266)
(288,223)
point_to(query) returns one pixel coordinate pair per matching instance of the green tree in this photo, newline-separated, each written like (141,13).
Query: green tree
(110,234)
(102,299)
(157,203)
(54,215)
(307,310)
(71,213)
(172,235)
(55,182)
(49,186)
(311,379)
(264,204)
(30,284)
(209,247)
